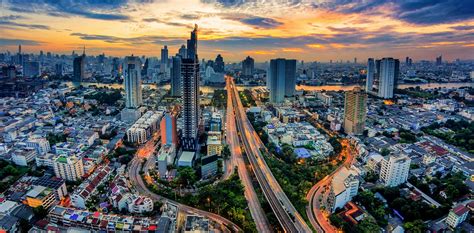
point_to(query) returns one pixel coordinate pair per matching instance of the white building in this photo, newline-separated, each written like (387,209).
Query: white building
(394,169)
(139,204)
(133,82)
(22,157)
(69,168)
(89,187)
(144,127)
(457,215)
(165,157)
(41,145)
(387,78)
(344,186)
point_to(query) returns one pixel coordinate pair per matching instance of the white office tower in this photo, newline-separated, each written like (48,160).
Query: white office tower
(394,169)
(387,78)
(370,75)
(190,94)
(133,88)
(281,79)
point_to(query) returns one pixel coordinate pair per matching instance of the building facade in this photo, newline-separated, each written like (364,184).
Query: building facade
(394,169)
(281,80)
(133,82)
(355,111)
(69,168)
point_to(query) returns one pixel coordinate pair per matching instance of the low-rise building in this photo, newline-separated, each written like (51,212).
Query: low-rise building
(69,168)
(214,143)
(344,186)
(89,187)
(457,215)
(22,157)
(139,204)
(186,159)
(40,196)
(144,127)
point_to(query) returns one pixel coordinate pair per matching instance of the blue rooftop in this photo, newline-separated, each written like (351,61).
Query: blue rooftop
(302,153)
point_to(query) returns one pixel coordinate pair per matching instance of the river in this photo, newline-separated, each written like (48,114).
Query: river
(209,89)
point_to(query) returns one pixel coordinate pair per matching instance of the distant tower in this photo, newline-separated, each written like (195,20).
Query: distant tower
(387,77)
(281,79)
(219,65)
(190,94)
(355,111)
(248,66)
(370,75)
(79,64)
(164,55)
(439,60)
(133,82)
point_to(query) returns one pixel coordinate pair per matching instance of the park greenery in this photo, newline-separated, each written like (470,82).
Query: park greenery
(246,98)
(418,93)
(122,154)
(56,138)
(9,173)
(452,185)
(219,98)
(459,133)
(109,97)
(413,212)
(368,224)
(225,198)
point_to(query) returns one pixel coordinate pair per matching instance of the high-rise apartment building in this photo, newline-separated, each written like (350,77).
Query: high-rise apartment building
(79,65)
(355,111)
(190,94)
(248,66)
(168,130)
(394,169)
(387,77)
(133,82)
(176,76)
(369,83)
(164,55)
(281,79)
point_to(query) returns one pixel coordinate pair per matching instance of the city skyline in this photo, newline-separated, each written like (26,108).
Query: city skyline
(309,30)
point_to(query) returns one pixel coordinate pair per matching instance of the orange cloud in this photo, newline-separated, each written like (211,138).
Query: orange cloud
(292,50)
(315,46)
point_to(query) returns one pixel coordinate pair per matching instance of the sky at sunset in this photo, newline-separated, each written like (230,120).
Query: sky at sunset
(263,29)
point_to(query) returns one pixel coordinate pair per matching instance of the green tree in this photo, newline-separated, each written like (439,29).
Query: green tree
(186,176)
(417,226)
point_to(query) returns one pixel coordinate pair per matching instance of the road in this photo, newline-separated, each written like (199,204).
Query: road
(287,215)
(320,191)
(135,166)
(256,210)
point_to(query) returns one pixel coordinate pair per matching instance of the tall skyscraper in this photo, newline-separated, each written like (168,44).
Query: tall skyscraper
(168,130)
(281,79)
(190,94)
(164,55)
(79,64)
(387,77)
(176,76)
(370,75)
(183,51)
(439,60)
(133,82)
(219,65)
(355,111)
(248,66)
(394,169)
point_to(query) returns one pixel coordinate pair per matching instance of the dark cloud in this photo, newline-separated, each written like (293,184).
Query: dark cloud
(9,21)
(425,12)
(170,23)
(133,40)
(9,42)
(464,27)
(252,20)
(94,9)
